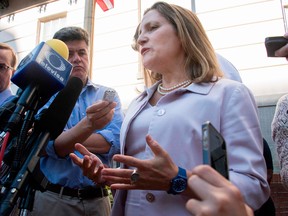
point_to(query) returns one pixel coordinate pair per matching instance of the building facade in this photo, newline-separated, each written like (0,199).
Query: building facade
(237,30)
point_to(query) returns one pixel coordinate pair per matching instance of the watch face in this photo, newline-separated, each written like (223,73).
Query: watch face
(179,185)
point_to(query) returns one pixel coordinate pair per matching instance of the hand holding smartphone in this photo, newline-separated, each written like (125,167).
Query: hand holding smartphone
(274,43)
(214,149)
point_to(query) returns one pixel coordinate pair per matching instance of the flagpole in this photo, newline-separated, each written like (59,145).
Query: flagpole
(89,26)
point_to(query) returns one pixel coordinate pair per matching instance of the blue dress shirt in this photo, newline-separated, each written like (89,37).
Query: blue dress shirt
(5,94)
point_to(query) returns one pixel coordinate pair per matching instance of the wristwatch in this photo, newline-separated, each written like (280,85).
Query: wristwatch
(179,183)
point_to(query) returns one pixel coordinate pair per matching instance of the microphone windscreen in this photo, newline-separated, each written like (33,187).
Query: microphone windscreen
(56,116)
(59,46)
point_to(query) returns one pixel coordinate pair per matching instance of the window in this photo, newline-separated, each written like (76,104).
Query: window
(49,25)
(284,4)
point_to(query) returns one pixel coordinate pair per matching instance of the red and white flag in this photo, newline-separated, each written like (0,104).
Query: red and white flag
(105,4)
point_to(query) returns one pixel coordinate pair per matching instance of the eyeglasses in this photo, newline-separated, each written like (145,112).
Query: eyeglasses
(4,68)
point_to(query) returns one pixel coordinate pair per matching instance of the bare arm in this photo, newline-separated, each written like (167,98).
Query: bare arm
(97,116)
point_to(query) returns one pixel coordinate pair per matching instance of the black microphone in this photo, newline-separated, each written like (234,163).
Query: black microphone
(50,126)
(60,109)
(7,109)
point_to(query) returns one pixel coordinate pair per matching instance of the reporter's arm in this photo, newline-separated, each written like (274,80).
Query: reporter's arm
(98,115)
(217,195)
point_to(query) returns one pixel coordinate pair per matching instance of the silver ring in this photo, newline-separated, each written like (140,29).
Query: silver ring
(134,176)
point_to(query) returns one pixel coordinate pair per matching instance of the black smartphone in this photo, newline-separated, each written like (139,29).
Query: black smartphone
(214,149)
(274,43)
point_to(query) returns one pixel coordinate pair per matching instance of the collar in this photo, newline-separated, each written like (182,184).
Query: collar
(199,88)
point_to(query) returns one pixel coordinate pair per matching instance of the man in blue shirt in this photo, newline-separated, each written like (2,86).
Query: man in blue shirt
(94,123)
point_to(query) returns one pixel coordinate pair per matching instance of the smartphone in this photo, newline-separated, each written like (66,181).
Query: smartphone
(214,149)
(274,43)
(109,95)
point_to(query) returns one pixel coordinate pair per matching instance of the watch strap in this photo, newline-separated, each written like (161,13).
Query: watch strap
(182,176)
(182,173)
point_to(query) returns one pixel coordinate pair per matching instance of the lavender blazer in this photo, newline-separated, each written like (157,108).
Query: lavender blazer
(176,125)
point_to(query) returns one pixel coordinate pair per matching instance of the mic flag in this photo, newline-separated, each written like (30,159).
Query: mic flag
(105,4)
(46,67)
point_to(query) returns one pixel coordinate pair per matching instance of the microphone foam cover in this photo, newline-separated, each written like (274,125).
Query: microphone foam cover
(59,46)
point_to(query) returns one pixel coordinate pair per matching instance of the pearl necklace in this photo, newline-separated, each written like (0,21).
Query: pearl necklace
(160,88)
